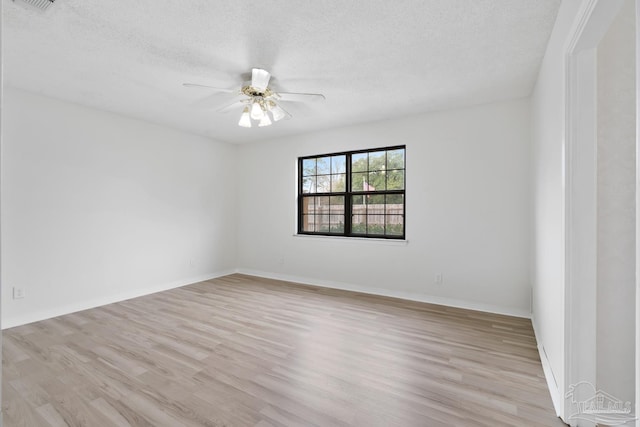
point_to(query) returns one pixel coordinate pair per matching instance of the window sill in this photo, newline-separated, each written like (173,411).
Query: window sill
(390,242)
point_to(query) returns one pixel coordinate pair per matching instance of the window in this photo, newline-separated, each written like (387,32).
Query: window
(358,193)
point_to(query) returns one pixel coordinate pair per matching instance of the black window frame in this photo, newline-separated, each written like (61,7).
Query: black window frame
(348,195)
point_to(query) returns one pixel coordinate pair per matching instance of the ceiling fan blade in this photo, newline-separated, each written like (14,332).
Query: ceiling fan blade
(229,107)
(215,99)
(260,78)
(286,112)
(219,89)
(299,97)
(277,112)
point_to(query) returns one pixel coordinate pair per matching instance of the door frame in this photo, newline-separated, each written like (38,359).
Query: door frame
(579,172)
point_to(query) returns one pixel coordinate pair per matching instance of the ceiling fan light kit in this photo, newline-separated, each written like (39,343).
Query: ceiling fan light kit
(245,118)
(265,121)
(256,109)
(277,112)
(261,102)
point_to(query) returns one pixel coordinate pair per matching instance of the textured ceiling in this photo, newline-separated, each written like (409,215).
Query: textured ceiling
(371,59)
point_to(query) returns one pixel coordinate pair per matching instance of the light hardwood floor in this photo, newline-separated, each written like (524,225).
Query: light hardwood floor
(246,351)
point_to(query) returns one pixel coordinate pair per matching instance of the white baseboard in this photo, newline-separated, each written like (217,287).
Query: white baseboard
(554,391)
(411,296)
(36,316)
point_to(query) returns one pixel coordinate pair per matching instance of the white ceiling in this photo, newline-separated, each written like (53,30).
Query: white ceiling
(371,59)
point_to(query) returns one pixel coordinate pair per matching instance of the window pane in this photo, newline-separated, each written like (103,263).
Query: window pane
(359,211)
(376,181)
(395,199)
(338,182)
(395,225)
(309,184)
(359,162)
(395,159)
(377,160)
(323,184)
(322,222)
(324,165)
(337,223)
(308,167)
(308,223)
(358,224)
(394,204)
(395,180)
(322,202)
(337,205)
(358,181)
(375,224)
(338,164)
(376,200)
(307,205)
(312,205)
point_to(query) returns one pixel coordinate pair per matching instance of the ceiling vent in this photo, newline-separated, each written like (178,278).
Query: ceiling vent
(40,4)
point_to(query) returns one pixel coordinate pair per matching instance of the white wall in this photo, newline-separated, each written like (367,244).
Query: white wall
(468,211)
(547,130)
(616,207)
(97,207)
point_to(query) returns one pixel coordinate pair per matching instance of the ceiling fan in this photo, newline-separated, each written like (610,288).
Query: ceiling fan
(261,103)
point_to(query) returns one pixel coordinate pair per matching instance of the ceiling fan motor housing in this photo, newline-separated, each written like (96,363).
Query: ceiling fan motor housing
(253,92)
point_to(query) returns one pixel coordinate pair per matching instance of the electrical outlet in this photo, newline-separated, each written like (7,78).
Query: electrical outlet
(438,279)
(18,293)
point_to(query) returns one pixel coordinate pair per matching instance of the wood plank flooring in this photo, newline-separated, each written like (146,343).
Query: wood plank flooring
(247,351)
